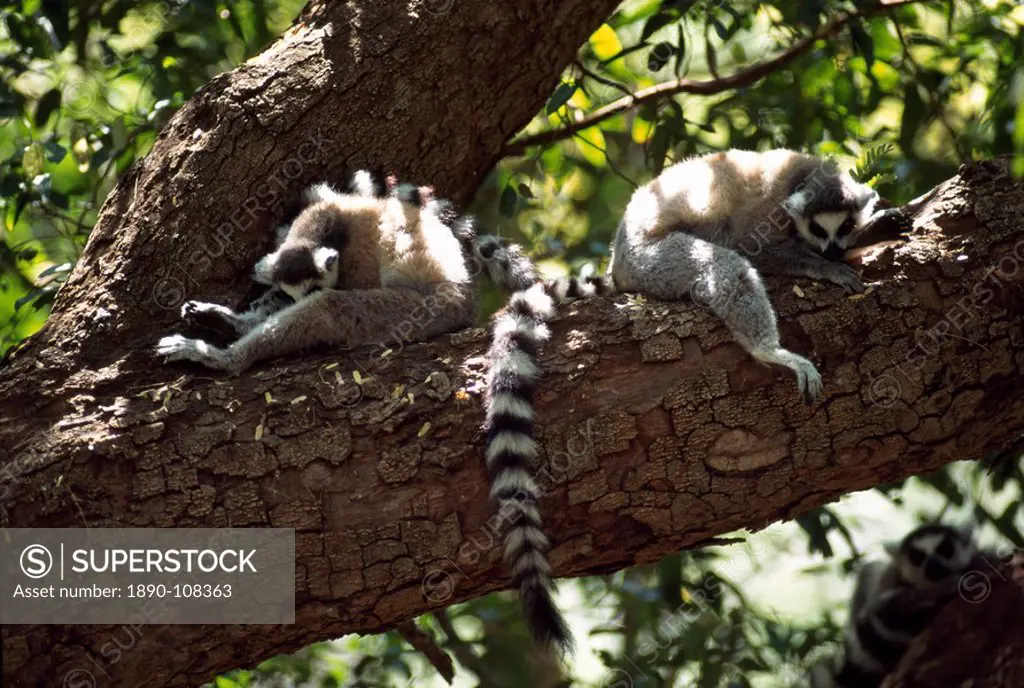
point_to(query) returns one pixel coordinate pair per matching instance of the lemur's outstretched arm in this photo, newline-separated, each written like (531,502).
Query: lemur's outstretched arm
(336,318)
(683,265)
(203,313)
(796,259)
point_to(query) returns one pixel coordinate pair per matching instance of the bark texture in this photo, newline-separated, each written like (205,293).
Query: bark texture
(659,433)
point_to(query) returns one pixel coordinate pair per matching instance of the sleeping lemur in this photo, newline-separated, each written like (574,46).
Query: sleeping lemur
(896,599)
(330,287)
(688,229)
(707,227)
(357,266)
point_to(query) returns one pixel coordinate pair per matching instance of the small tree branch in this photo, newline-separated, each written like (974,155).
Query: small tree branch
(744,77)
(421,640)
(463,651)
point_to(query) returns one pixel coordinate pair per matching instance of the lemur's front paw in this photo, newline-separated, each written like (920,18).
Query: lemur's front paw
(845,276)
(192,311)
(178,348)
(808,380)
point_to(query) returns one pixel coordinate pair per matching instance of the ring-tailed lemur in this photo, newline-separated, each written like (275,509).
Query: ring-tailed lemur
(309,255)
(332,245)
(707,227)
(894,600)
(358,266)
(681,232)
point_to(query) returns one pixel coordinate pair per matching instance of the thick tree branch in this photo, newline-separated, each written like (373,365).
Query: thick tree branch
(744,77)
(658,433)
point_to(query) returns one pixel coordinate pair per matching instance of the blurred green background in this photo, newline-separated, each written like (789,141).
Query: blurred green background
(903,97)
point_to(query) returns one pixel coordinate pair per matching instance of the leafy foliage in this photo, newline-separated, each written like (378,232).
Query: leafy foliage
(902,96)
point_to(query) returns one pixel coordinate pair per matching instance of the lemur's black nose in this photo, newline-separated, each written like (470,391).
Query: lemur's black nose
(834,252)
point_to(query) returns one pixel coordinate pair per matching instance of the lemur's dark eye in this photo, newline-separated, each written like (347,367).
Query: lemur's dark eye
(818,231)
(915,555)
(845,228)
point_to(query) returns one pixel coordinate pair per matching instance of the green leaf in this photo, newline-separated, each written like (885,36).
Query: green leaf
(659,56)
(509,201)
(712,57)
(47,104)
(656,22)
(33,160)
(27,298)
(863,43)
(54,151)
(658,149)
(560,97)
(720,29)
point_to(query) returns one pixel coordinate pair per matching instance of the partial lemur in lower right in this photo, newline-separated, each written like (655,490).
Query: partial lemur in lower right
(895,600)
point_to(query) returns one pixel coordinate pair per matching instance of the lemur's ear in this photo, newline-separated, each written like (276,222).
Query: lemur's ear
(263,271)
(325,259)
(796,202)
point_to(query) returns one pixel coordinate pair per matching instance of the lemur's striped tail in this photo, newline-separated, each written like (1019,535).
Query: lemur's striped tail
(509,267)
(583,286)
(519,330)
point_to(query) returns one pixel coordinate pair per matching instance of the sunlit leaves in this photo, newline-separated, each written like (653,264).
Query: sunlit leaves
(33,159)
(605,43)
(591,145)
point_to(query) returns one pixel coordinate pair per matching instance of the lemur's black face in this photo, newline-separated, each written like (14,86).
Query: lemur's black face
(933,553)
(830,217)
(832,244)
(299,270)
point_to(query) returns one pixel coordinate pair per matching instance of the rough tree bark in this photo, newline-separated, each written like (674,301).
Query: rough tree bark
(659,433)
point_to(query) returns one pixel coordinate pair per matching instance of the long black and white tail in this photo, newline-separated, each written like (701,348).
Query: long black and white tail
(509,267)
(583,286)
(519,330)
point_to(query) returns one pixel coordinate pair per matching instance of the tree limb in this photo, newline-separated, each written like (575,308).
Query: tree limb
(744,77)
(658,433)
